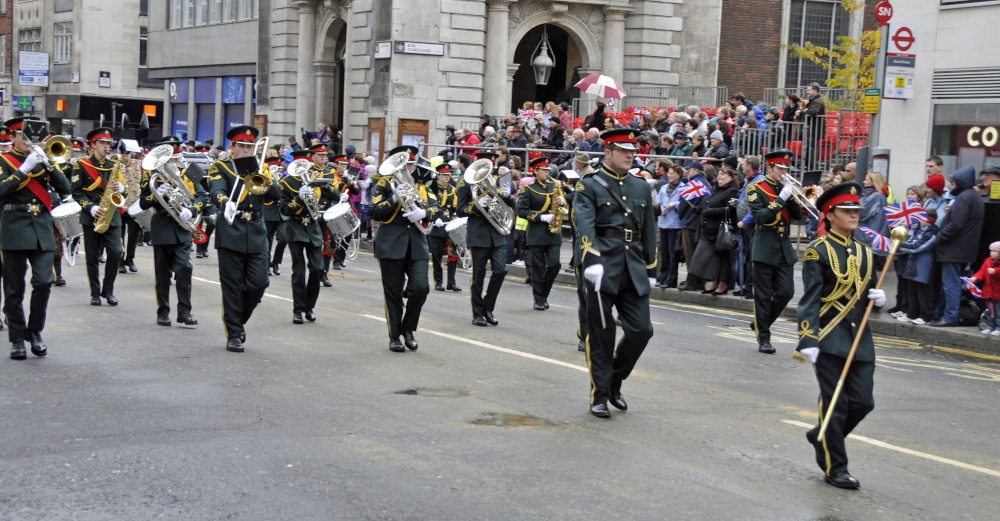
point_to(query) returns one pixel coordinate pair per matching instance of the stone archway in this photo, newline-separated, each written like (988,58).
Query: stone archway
(328,67)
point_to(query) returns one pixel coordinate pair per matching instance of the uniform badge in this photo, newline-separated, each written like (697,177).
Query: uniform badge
(752,197)
(579,186)
(854,191)
(810,255)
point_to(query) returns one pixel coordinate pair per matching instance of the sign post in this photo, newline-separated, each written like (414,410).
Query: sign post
(883,13)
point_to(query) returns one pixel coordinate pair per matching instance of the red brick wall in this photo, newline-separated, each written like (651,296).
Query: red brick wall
(750,46)
(7,28)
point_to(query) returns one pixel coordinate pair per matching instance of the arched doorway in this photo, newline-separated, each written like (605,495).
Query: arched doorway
(329,71)
(567,57)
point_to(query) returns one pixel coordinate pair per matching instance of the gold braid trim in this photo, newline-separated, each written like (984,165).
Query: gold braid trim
(849,284)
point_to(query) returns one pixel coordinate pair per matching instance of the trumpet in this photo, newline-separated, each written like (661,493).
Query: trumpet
(802,196)
(257,183)
(54,150)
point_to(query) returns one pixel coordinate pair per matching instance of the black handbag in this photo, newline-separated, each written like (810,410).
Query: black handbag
(726,240)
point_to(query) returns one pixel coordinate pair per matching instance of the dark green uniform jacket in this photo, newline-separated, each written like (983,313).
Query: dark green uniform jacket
(606,234)
(773,218)
(87,191)
(481,234)
(534,201)
(448,201)
(165,229)
(397,234)
(248,233)
(836,274)
(30,228)
(301,227)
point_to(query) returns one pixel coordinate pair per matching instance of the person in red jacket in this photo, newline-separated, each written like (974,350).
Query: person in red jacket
(989,274)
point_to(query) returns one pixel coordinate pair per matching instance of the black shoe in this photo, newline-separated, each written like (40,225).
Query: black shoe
(276,269)
(438,287)
(163,321)
(670,286)
(766,348)
(101,259)
(527,281)
(490,319)
(707,291)
(600,410)
(132,267)
(618,401)
(411,343)
(842,479)
(122,268)
(17,351)
(310,316)
(453,287)
(539,307)
(396,346)
(479,321)
(582,346)
(546,304)
(60,281)
(187,320)
(234,345)
(407,292)
(941,323)
(338,266)
(748,295)
(112,300)
(243,336)
(95,301)
(297,318)
(37,344)
(326,281)
(719,294)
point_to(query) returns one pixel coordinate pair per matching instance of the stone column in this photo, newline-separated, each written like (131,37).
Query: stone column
(168,115)
(614,42)
(305,85)
(220,116)
(495,78)
(326,92)
(192,130)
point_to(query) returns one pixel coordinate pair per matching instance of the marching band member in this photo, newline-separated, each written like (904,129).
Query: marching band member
(172,245)
(304,235)
(242,244)
(91,177)
(438,239)
(320,155)
(346,186)
(617,239)
(26,236)
(131,231)
(538,203)
(401,250)
(485,244)
(274,220)
(6,140)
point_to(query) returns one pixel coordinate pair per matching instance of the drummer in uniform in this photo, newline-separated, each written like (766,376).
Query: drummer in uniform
(774,208)
(438,240)
(304,235)
(538,204)
(26,236)
(274,220)
(346,186)
(241,244)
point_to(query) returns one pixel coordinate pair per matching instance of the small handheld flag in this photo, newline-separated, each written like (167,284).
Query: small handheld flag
(905,213)
(879,241)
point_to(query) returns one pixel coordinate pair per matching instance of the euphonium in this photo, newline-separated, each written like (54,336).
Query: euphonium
(402,185)
(559,212)
(300,168)
(178,196)
(479,177)
(111,200)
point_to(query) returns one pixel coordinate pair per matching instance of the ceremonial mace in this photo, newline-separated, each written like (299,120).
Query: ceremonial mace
(899,235)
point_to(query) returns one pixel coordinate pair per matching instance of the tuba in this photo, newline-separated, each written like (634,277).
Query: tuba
(479,177)
(402,185)
(178,196)
(300,168)
(110,198)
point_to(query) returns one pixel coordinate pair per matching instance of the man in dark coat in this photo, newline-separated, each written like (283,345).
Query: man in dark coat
(957,240)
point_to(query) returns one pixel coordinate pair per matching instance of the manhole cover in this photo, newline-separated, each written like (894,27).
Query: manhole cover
(435,393)
(495,419)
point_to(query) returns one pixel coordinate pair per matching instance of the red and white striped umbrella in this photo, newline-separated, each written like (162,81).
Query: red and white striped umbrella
(602,86)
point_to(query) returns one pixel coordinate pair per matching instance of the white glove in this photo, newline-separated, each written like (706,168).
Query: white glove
(545,217)
(786,193)
(68,199)
(878,295)
(416,215)
(30,162)
(304,190)
(185,214)
(438,223)
(505,190)
(811,354)
(399,193)
(162,189)
(560,201)
(230,212)
(594,274)
(652,282)
(344,197)
(93,211)
(120,188)
(484,201)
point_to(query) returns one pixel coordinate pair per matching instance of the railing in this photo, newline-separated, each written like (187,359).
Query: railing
(835,99)
(655,97)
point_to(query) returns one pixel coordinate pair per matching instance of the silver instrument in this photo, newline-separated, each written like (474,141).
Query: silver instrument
(301,168)
(66,218)
(178,196)
(458,233)
(479,177)
(256,183)
(143,217)
(799,193)
(403,186)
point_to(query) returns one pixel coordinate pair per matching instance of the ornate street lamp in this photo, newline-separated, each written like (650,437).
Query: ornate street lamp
(544,60)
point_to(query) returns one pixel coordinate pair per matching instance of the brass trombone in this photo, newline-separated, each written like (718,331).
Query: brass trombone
(802,196)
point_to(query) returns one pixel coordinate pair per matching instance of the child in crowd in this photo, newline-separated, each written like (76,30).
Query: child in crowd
(918,271)
(989,274)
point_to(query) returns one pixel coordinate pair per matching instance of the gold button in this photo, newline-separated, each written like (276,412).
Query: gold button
(626,246)
(621,182)
(624,198)
(853,324)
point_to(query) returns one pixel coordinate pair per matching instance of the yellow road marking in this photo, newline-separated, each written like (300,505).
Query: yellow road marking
(911,452)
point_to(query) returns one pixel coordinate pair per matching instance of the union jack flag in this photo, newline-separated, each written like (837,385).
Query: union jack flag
(527,114)
(971,286)
(879,241)
(639,113)
(694,189)
(905,213)
(611,104)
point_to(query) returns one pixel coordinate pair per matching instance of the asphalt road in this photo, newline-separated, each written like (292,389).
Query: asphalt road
(128,420)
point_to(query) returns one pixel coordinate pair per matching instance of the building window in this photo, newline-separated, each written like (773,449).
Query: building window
(215,11)
(30,40)
(143,46)
(143,7)
(189,13)
(819,22)
(229,10)
(202,12)
(63,42)
(176,10)
(3,52)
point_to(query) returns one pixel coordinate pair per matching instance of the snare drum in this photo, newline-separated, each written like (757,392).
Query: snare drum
(456,229)
(341,221)
(143,217)
(66,217)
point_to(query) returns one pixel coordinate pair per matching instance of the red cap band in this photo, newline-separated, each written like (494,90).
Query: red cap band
(244,137)
(779,161)
(97,137)
(16,125)
(840,199)
(620,138)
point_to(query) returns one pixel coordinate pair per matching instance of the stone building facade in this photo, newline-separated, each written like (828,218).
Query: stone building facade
(6,56)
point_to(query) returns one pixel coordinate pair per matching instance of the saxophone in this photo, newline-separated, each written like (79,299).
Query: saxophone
(559,213)
(110,198)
